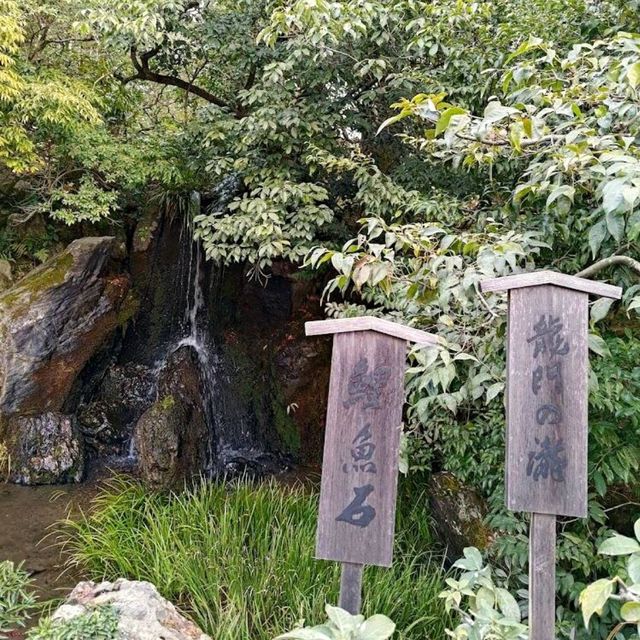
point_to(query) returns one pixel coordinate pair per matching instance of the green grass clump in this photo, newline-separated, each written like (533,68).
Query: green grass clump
(238,558)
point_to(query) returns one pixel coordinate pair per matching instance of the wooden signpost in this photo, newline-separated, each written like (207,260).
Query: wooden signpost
(547,422)
(360,464)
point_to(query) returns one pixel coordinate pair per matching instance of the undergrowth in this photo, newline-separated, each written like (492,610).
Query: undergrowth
(238,558)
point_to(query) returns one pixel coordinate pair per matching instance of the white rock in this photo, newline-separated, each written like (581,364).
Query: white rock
(143,613)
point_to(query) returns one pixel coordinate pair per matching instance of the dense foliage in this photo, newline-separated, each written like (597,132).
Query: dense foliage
(404,149)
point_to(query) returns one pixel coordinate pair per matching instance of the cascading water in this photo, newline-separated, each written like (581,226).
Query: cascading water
(195,330)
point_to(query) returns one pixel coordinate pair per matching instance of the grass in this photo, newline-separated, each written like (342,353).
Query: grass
(238,558)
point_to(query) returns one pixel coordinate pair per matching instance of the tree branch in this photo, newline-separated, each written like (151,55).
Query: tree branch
(143,72)
(625,261)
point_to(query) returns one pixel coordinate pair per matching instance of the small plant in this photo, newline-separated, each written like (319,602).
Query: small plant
(16,598)
(100,623)
(492,613)
(5,462)
(342,625)
(623,588)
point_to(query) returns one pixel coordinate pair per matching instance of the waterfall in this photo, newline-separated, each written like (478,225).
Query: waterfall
(179,310)
(195,326)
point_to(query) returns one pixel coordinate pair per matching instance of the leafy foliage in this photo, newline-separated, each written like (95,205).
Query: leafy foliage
(623,589)
(100,623)
(16,597)
(341,625)
(489,611)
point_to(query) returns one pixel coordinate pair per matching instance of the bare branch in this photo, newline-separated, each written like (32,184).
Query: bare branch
(143,72)
(625,261)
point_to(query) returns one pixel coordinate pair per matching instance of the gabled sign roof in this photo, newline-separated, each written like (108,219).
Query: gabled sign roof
(369,323)
(536,278)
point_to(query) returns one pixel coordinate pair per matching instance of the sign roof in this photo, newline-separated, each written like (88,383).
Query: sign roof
(537,278)
(370,323)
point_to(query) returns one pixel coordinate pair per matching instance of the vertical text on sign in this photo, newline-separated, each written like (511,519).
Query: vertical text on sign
(547,373)
(360,465)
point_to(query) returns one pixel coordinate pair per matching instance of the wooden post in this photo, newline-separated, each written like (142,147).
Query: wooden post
(542,576)
(351,587)
(547,421)
(360,463)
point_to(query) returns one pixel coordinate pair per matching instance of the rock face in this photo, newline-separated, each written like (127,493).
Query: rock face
(124,394)
(45,449)
(51,323)
(143,613)
(458,512)
(172,437)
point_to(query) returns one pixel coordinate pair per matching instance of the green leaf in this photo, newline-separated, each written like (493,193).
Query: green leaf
(630,612)
(494,112)
(597,234)
(636,529)
(598,345)
(508,605)
(594,597)
(633,75)
(472,560)
(392,120)
(619,545)
(615,224)
(343,620)
(600,308)
(633,568)
(377,627)
(445,118)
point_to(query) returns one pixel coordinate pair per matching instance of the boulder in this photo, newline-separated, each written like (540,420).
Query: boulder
(124,394)
(171,438)
(458,513)
(143,614)
(52,321)
(45,449)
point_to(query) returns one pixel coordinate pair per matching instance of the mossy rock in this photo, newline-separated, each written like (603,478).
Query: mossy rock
(459,514)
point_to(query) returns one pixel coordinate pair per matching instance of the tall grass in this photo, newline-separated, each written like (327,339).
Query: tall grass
(238,558)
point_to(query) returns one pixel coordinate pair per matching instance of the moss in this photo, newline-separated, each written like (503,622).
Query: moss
(285,426)
(128,309)
(51,274)
(253,384)
(167,403)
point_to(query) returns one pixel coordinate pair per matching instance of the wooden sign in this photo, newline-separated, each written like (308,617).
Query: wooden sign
(547,422)
(360,464)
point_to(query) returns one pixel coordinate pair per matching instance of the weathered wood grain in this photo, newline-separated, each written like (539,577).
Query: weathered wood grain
(542,577)
(538,278)
(360,464)
(351,587)
(367,323)
(546,466)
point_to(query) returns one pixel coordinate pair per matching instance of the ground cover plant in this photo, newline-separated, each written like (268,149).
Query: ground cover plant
(17,600)
(238,558)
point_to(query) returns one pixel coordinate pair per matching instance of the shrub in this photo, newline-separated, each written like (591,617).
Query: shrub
(239,557)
